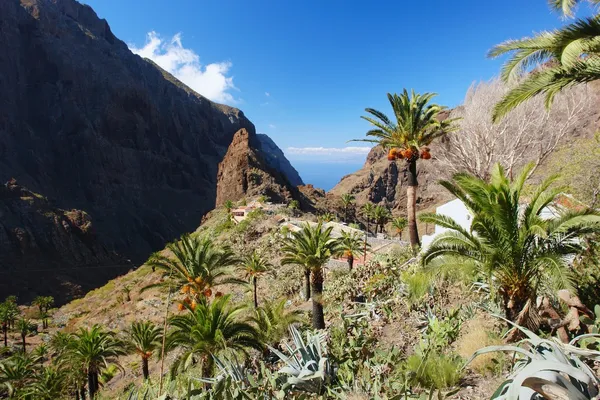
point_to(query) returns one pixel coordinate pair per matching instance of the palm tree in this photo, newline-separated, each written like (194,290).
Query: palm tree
(5,317)
(367,212)
(228,205)
(381,215)
(24,327)
(17,373)
(41,353)
(517,248)
(565,56)
(399,223)
(347,201)
(209,330)
(254,266)
(350,245)
(311,247)
(49,384)
(43,302)
(144,338)
(418,123)
(272,321)
(93,350)
(196,266)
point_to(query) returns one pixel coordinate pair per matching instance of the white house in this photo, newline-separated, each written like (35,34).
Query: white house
(454,209)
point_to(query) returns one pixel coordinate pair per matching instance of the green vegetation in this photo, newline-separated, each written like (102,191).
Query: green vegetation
(311,248)
(418,123)
(253,267)
(519,251)
(566,56)
(144,339)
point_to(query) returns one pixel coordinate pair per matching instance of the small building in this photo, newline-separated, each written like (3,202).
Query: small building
(239,214)
(454,209)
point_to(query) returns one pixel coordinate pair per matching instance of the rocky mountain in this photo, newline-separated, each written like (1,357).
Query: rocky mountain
(47,250)
(276,159)
(380,181)
(94,127)
(246,172)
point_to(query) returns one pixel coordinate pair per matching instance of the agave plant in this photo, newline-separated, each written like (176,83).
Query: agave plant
(307,367)
(547,369)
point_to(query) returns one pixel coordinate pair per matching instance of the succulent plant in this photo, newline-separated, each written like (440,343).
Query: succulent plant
(546,369)
(307,367)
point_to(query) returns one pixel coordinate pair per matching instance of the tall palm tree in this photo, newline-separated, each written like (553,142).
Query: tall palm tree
(196,266)
(272,321)
(510,241)
(417,123)
(347,201)
(311,247)
(254,266)
(144,338)
(24,327)
(92,350)
(367,212)
(350,245)
(399,223)
(565,56)
(381,215)
(209,330)
(5,317)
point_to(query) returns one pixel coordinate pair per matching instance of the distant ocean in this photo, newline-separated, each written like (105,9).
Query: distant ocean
(324,175)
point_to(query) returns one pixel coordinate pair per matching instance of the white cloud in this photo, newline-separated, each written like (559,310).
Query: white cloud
(329,154)
(267,94)
(211,81)
(272,126)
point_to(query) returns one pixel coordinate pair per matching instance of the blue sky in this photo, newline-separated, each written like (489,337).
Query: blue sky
(303,71)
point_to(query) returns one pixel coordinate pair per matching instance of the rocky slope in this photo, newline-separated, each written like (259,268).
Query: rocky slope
(94,127)
(46,250)
(380,181)
(277,160)
(244,172)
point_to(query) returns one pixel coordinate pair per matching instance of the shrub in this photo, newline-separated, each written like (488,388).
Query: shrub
(433,370)
(417,286)
(474,337)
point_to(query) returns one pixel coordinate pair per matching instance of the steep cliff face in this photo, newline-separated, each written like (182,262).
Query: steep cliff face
(381,181)
(244,172)
(94,127)
(277,160)
(44,249)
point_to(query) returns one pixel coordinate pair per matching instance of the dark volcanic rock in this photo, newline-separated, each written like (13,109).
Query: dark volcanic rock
(94,127)
(47,250)
(277,160)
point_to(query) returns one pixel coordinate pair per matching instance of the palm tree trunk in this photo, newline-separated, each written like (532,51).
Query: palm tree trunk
(145,370)
(411,203)
(82,392)
(5,331)
(92,383)
(255,294)
(350,261)
(306,284)
(24,343)
(317,298)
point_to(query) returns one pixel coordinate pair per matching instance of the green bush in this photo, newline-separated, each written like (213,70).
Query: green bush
(433,370)
(417,286)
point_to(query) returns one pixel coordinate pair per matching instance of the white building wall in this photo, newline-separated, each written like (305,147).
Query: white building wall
(454,209)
